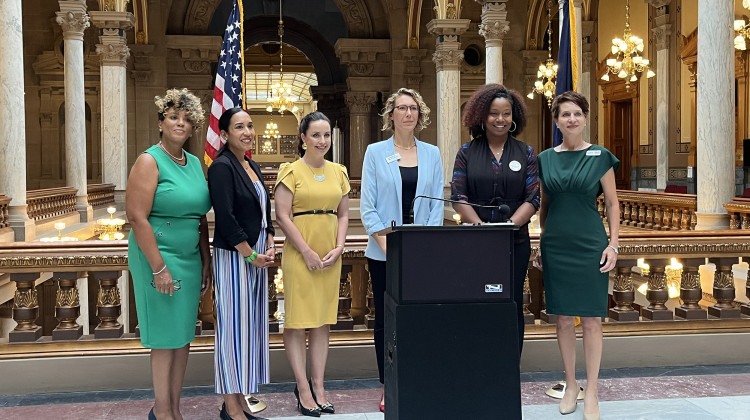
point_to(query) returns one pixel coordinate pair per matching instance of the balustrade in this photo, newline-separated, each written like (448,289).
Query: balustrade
(51,202)
(655,211)
(739,213)
(4,203)
(100,195)
(671,295)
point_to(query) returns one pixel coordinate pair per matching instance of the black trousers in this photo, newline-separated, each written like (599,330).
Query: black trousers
(377,274)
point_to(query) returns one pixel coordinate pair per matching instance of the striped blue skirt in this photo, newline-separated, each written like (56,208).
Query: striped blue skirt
(241,346)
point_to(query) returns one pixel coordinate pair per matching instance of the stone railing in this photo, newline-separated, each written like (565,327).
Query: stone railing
(739,213)
(655,211)
(704,300)
(51,202)
(4,203)
(100,195)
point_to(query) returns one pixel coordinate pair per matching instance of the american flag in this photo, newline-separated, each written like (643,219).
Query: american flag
(228,89)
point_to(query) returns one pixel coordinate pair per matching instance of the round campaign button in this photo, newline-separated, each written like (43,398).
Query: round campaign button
(514,166)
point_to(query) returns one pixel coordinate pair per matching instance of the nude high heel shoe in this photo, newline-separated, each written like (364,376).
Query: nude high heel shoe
(569,408)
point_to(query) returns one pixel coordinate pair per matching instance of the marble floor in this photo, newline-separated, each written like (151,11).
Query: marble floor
(679,393)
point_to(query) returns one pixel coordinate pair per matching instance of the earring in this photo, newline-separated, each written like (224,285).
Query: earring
(304,146)
(514,125)
(483,127)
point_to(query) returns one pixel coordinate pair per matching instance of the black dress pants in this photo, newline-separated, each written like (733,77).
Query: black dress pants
(377,274)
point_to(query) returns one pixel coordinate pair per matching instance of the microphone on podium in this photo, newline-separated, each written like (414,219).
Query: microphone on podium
(504,209)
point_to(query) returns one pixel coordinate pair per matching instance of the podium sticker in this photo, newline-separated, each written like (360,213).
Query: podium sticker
(493,288)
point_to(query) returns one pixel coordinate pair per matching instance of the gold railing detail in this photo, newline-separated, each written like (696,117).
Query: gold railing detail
(51,202)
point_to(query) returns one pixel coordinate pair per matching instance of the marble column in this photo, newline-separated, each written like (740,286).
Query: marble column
(447,57)
(493,28)
(662,31)
(12,120)
(114,53)
(716,113)
(74,20)
(360,105)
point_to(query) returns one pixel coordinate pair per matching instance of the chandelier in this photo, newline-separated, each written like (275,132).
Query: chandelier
(547,73)
(628,62)
(272,132)
(280,96)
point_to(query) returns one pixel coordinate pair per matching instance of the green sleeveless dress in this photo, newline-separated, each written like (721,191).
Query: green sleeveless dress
(181,198)
(574,237)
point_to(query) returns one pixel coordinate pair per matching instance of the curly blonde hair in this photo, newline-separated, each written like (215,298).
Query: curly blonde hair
(181,100)
(424,110)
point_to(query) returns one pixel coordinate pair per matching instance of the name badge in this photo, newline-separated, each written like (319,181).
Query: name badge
(392,158)
(593,152)
(514,165)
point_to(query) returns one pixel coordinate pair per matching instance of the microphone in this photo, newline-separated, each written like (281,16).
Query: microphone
(504,209)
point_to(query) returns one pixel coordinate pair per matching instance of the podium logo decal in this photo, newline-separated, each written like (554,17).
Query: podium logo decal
(493,288)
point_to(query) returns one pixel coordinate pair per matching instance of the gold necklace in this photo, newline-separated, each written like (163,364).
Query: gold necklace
(171,155)
(405,148)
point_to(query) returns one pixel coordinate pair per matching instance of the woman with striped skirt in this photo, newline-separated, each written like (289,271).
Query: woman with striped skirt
(243,249)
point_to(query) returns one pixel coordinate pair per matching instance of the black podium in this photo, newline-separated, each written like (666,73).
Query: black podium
(451,340)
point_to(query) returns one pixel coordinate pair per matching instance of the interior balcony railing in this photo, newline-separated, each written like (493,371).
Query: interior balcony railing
(49,203)
(654,211)
(739,213)
(76,298)
(4,203)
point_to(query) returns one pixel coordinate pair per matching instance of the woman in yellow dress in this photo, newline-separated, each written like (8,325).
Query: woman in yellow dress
(312,208)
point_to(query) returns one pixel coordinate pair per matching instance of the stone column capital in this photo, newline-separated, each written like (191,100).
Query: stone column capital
(73,19)
(661,36)
(448,54)
(494,24)
(113,54)
(359,103)
(658,3)
(112,20)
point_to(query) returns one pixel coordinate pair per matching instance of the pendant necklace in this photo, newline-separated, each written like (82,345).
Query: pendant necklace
(319,178)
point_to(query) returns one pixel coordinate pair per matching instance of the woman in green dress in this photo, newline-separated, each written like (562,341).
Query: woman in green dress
(575,251)
(168,254)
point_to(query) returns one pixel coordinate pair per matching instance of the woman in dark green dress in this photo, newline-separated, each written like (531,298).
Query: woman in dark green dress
(575,251)
(168,254)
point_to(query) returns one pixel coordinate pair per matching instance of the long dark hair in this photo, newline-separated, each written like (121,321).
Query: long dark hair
(225,120)
(304,125)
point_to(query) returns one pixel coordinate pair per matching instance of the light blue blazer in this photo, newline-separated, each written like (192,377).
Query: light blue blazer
(380,201)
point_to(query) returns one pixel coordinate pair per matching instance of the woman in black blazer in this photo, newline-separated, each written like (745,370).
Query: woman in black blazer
(243,249)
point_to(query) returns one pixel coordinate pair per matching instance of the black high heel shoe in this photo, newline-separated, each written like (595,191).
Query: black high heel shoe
(224,415)
(310,412)
(326,408)
(151,415)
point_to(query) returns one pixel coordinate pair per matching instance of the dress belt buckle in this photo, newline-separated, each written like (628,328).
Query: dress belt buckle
(318,211)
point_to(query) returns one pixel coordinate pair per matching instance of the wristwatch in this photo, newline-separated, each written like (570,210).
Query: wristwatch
(252,257)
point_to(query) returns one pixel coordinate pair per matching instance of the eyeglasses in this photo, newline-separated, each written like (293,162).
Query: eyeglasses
(403,108)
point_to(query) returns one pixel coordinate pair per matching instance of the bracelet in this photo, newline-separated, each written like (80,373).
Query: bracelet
(339,245)
(159,272)
(250,258)
(614,248)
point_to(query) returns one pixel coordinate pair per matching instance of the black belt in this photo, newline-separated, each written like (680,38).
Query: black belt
(314,212)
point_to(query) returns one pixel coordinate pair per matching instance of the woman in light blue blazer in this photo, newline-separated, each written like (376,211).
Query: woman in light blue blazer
(395,172)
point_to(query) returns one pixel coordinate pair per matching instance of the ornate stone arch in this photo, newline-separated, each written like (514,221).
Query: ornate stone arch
(355,13)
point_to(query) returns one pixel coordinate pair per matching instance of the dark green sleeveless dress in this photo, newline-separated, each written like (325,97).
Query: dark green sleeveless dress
(181,198)
(574,237)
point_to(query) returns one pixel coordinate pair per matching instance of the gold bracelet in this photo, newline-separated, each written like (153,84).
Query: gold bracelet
(339,245)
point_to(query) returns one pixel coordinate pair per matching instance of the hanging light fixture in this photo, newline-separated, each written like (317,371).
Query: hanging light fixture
(628,62)
(281,93)
(271,132)
(743,32)
(547,73)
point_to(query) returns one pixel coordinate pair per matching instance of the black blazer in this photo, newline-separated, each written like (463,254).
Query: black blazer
(236,204)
